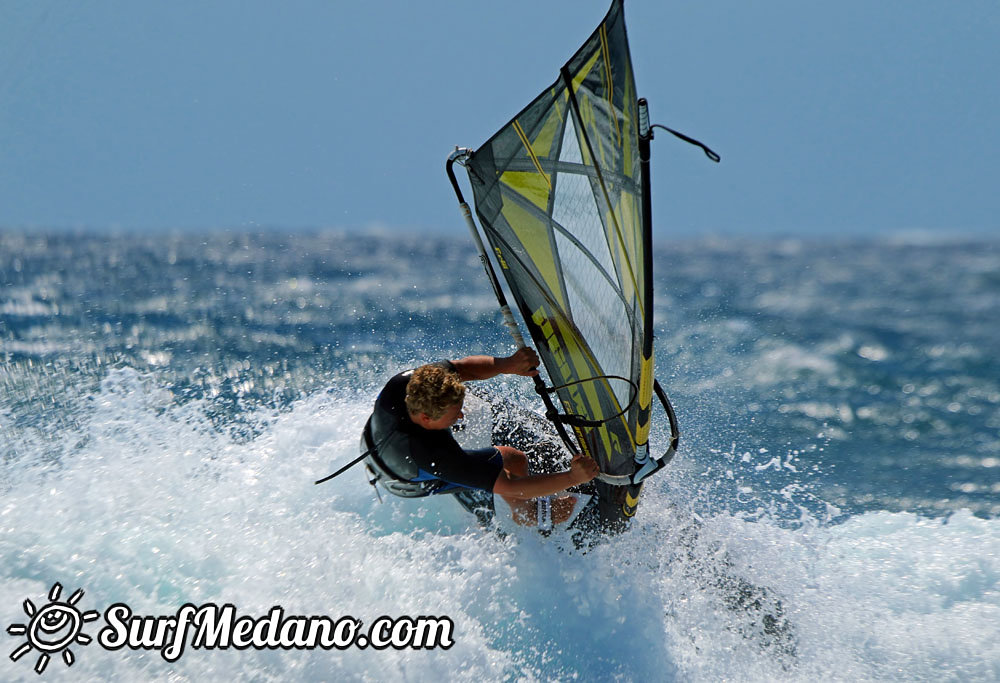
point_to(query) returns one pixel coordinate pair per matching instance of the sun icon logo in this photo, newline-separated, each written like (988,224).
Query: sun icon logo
(53,628)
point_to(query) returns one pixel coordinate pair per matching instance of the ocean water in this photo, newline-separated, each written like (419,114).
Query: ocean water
(167,401)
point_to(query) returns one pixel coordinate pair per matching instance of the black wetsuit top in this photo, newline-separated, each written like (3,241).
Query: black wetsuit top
(417,454)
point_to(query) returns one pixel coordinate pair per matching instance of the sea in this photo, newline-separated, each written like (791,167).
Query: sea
(167,401)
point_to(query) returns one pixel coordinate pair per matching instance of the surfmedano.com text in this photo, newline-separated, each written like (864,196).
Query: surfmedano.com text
(210,627)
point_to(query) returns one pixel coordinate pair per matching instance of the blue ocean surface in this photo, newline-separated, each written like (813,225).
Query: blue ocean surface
(167,400)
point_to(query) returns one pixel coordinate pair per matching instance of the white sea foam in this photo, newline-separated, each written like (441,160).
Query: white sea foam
(775,364)
(153,506)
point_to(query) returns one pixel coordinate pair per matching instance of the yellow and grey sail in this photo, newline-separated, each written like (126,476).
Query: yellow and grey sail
(558,192)
(563,196)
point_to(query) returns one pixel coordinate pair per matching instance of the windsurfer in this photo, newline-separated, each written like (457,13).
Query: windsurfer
(412,424)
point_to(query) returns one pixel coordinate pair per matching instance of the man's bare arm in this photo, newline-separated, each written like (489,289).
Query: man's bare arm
(523,362)
(581,470)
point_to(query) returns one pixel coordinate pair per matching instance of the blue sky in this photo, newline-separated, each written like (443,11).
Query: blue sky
(853,117)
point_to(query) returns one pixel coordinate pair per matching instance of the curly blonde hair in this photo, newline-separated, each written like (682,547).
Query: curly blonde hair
(432,390)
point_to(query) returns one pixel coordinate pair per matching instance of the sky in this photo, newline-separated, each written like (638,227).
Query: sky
(846,118)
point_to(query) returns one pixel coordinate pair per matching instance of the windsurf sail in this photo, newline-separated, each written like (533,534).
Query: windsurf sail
(562,195)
